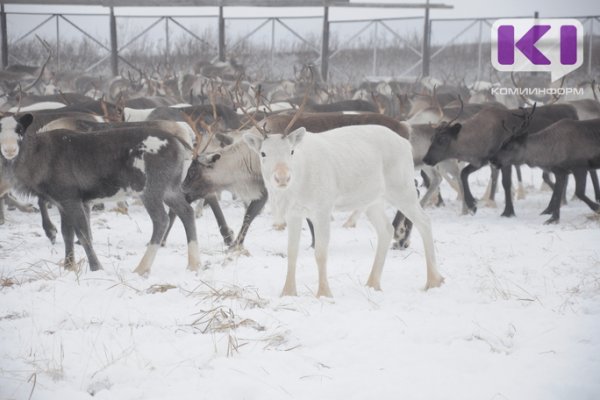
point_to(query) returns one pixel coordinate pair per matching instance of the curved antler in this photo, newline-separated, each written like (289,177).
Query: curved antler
(301,108)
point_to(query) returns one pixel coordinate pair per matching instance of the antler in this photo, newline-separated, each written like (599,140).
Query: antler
(238,103)
(375,98)
(301,108)
(526,117)
(39,77)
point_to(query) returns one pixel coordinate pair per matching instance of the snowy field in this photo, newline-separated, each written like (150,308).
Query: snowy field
(518,317)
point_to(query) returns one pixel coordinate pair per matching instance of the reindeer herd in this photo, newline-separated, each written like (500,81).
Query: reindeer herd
(305,147)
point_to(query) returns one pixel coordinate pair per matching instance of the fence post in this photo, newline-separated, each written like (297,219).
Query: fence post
(375,45)
(479,59)
(272,45)
(114,50)
(57,43)
(325,45)
(167,44)
(590,46)
(221,35)
(4,36)
(426,42)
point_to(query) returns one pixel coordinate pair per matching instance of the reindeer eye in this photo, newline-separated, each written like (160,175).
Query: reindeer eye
(262,154)
(292,152)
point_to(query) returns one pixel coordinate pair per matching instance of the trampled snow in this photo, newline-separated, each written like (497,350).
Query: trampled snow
(517,318)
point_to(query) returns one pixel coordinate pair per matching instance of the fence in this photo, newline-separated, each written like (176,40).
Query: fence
(269,47)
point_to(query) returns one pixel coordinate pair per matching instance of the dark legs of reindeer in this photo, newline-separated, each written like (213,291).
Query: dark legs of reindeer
(49,228)
(509,210)
(75,219)
(254,208)
(68,235)
(494,182)
(402,229)
(213,202)
(580,182)
(519,175)
(226,232)
(312,233)
(555,200)
(160,222)
(179,205)
(470,202)
(594,176)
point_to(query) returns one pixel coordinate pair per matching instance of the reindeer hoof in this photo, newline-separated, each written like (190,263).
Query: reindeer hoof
(228,238)
(402,244)
(238,250)
(551,221)
(434,282)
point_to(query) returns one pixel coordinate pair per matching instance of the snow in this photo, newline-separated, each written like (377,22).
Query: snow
(518,316)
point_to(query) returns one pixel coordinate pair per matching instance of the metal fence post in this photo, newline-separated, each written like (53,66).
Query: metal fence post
(57,44)
(426,42)
(114,50)
(325,45)
(479,48)
(375,45)
(167,47)
(590,46)
(4,36)
(272,45)
(221,35)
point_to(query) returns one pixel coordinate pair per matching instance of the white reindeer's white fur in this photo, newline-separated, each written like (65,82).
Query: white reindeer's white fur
(349,168)
(135,115)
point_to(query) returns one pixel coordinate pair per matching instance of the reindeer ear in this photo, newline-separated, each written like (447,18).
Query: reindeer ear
(454,129)
(208,160)
(25,121)
(296,136)
(253,141)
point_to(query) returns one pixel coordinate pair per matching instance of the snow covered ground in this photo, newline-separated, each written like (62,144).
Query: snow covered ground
(518,316)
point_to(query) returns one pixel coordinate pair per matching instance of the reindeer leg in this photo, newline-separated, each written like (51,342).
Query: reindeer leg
(580,183)
(594,176)
(470,204)
(178,204)
(11,201)
(68,234)
(47,224)
(509,210)
(2,210)
(253,209)
(377,217)
(521,192)
(555,200)
(322,226)
(76,211)
(226,232)
(294,225)
(160,220)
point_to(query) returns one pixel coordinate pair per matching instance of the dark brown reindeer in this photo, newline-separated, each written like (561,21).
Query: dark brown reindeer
(70,169)
(567,146)
(480,137)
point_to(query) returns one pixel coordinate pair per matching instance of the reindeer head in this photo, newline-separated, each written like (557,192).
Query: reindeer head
(513,147)
(276,151)
(12,133)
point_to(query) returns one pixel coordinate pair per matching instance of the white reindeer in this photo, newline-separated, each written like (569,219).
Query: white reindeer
(350,168)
